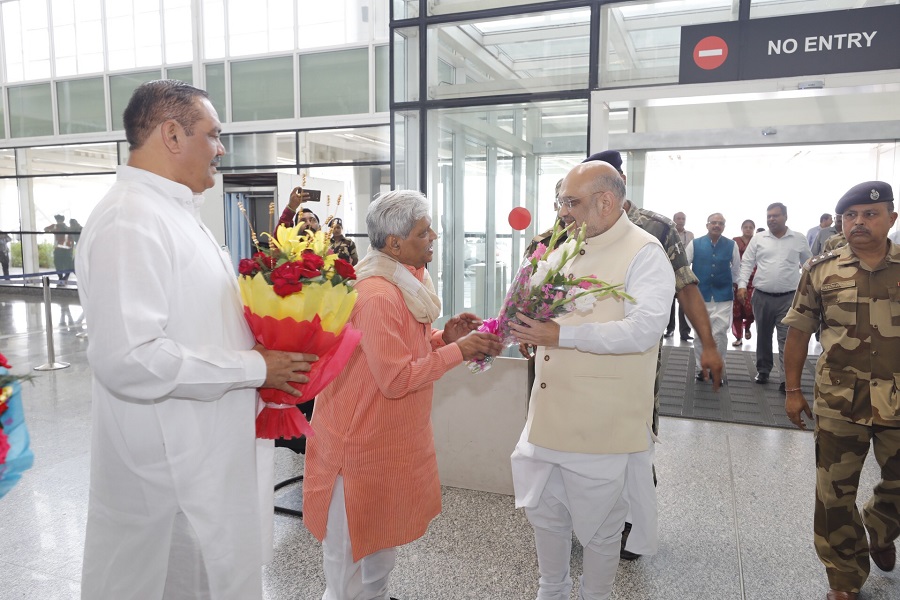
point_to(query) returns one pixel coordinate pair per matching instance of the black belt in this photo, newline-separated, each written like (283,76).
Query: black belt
(778,295)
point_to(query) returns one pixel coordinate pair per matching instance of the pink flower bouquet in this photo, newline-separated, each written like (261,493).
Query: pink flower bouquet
(542,290)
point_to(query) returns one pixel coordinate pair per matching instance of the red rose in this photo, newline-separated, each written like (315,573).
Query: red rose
(3,362)
(311,265)
(286,278)
(344,269)
(248,267)
(268,262)
(312,260)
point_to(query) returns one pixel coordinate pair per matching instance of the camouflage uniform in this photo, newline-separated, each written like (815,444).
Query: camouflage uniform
(857,402)
(663,229)
(345,248)
(834,242)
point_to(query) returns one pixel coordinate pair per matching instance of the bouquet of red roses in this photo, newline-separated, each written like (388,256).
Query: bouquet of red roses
(297,298)
(15,454)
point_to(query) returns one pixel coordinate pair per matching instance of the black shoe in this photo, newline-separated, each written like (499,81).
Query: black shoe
(699,376)
(623,553)
(761,378)
(668,334)
(781,387)
(686,338)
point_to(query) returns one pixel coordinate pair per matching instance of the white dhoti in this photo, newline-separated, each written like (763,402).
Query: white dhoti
(590,494)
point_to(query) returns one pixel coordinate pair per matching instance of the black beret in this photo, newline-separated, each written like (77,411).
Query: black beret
(608,156)
(869,192)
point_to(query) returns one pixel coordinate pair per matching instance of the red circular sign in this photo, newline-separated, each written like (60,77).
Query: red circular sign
(710,52)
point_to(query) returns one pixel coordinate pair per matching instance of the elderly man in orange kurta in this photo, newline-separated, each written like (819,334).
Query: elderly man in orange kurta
(371,479)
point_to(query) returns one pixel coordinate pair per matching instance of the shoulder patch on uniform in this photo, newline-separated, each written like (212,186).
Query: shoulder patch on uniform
(817,260)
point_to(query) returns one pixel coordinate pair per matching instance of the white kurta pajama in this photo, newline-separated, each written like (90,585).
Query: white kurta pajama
(590,492)
(173,400)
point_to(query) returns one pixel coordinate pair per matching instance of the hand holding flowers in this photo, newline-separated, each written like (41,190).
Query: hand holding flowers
(541,291)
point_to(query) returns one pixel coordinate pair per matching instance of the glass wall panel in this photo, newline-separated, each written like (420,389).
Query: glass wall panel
(405,9)
(334,23)
(213,29)
(30,110)
(406,149)
(133,34)
(483,162)
(185,74)
(81,104)
(538,52)
(121,87)
(179,31)
(9,204)
(382,78)
(779,8)
(215,87)
(26,40)
(640,42)
(82,158)
(446,7)
(7,162)
(77,36)
(406,65)
(252,149)
(262,27)
(361,144)
(2,117)
(334,83)
(262,89)
(72,197)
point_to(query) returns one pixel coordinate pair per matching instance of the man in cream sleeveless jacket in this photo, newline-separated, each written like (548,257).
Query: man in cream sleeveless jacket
(584,459)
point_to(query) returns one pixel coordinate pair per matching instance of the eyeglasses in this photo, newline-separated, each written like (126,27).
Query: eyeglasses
(570,203)
(719,223)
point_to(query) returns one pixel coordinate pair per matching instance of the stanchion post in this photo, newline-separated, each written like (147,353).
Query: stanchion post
(51,364)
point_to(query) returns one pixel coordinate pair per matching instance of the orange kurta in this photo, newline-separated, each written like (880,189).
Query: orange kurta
(373,426)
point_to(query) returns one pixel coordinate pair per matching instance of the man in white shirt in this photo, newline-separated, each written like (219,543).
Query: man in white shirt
(174,508)
(684,326)
(584,461)
(777,255)
(716,261)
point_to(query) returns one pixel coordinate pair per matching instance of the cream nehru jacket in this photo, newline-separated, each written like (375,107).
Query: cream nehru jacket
(596,403)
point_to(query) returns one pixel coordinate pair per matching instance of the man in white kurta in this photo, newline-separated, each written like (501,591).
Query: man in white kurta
(584,460)
(173,509)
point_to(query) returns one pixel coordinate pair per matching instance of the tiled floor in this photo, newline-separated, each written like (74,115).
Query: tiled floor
(735,508)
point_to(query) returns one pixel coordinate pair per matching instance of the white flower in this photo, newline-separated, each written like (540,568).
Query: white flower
(555,259)
(540,273)
(584,302)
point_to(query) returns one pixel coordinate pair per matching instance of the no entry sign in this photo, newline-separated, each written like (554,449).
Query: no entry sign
(710,52)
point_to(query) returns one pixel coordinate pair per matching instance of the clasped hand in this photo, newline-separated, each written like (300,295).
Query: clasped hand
(474,345)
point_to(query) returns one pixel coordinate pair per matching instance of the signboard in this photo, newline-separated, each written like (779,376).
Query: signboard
(844,41)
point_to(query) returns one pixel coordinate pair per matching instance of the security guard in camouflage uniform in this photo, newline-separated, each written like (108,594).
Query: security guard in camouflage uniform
(344,247)
(853,294)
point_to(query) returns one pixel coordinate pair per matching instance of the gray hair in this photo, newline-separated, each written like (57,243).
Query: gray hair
(395,213)
(612,182)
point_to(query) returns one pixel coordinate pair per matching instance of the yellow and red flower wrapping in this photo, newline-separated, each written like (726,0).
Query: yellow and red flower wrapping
(311,321)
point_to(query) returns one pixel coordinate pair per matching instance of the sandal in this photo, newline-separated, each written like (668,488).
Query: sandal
(737,343)
(747,335)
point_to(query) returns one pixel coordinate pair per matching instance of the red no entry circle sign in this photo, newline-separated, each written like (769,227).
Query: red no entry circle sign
(710,52)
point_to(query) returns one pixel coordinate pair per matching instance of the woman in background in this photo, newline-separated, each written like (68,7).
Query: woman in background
(742,312)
